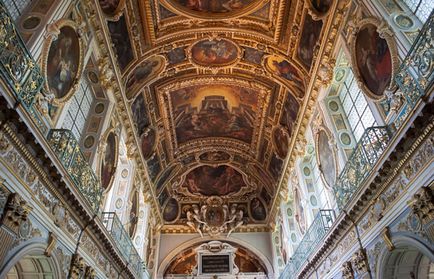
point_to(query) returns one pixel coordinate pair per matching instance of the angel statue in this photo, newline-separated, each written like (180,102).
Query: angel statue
(235,219)
(194,220)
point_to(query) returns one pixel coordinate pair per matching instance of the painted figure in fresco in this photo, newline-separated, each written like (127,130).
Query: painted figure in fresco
(141,73)
(210,181)
(109,6)
(281,142)
(216,6)
(258,210)
(147,142)
(214,52)
(108,161)
(288,72)
(308,40)
(374,59)
(299,212)
(121,41)
(322,6)
(62,63)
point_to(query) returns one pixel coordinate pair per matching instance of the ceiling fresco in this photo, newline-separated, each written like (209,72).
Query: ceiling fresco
(216,91)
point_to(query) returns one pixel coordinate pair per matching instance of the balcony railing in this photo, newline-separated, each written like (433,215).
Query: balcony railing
(22,74)
(124,243)
(368,150)
(68,151)
(313,237)
(415,75)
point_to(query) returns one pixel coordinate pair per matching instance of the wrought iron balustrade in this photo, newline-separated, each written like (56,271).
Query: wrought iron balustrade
(365,155)
(124,243)
(18,68)
(415,75)
(68,151)
(312,238)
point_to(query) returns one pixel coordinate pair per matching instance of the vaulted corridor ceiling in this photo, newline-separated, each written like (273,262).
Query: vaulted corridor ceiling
(218,92)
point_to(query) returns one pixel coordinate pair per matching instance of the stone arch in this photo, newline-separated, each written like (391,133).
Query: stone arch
(403,243)
(196,241)
(31,248)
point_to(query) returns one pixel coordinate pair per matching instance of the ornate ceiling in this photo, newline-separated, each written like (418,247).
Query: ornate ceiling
(217,91)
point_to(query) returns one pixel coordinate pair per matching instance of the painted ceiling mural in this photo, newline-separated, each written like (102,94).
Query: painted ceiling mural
(216,91)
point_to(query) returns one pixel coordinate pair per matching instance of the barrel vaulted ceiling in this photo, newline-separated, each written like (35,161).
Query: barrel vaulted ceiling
(217,93)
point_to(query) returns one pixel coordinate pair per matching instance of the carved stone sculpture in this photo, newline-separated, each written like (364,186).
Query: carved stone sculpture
(360,261)
(77,267)
(215,218)
(347,270)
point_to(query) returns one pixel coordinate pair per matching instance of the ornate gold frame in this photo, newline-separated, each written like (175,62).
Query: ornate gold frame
(52,32)
(179,9)
(188,53)
(177,215)
(276,127)
(177,185)
(317,157)
(315,14)
(249,208)
(296,92)
(163,64)
(118,12)
(385,32)
(100,153)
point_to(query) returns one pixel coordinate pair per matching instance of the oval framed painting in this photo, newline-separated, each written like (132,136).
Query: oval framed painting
(213,9)
(62,61)
(171,211)
(374,57)
(326,158)
(147,142)
(214,53)
(112,8)
(257,209)
(281,142)
(109,160)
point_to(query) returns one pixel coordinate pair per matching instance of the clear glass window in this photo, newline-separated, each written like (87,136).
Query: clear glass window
(356,107)
(16,7)
(78,110)
(420,8)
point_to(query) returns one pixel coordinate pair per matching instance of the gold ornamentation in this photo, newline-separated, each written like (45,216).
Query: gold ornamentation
(89,273)
(360,261)
(52,241)
(385,234)
(386,33)
(53,31)
(347,270)
(16,212)
(77,266)
(423,205)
